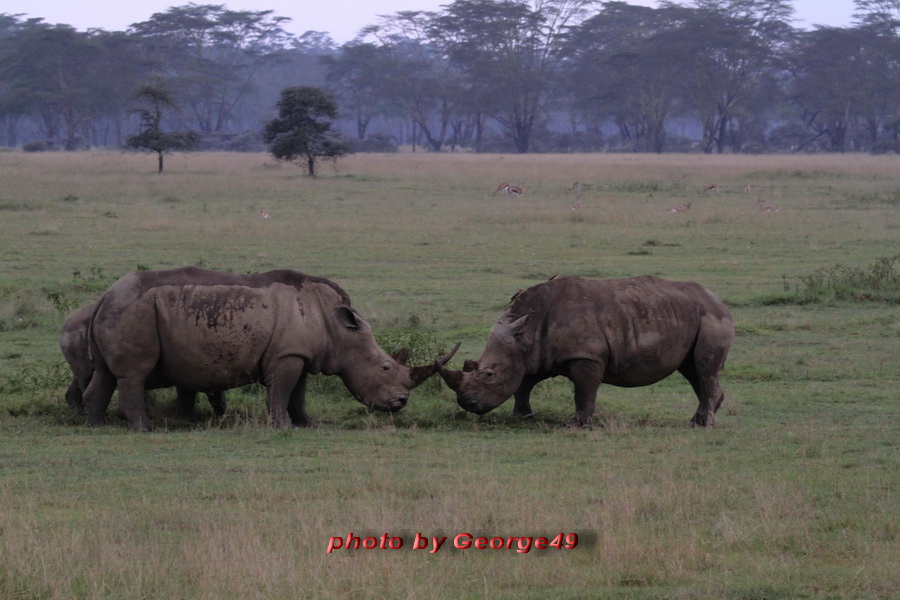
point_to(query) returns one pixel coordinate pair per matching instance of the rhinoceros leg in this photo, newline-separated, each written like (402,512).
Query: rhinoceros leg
(282,385)
(522,407)
(587,376)
(97,397)
(218,401)
(701,368)
(75,396)
(297,405)
(186,401)
(132,402)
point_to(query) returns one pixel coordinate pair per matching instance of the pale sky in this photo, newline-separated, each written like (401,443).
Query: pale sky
(341,19)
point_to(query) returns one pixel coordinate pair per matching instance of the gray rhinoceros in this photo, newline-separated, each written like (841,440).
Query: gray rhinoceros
(626,332)
(73,342)
(211,331)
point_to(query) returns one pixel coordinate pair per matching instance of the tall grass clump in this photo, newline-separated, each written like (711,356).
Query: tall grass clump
(878,282)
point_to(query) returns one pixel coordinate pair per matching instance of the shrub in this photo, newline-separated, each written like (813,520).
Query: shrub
(879,281)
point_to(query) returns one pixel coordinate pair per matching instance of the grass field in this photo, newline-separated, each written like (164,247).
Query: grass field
(793,495)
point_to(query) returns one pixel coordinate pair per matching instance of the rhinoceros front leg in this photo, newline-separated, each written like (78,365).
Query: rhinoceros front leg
(297,405)
(586,375)
(281,384)
(522,407)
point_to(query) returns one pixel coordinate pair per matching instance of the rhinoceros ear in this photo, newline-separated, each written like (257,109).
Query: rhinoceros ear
(348,317)
(401,356)
(518,326)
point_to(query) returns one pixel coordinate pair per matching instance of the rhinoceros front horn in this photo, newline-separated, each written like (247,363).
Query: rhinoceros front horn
(451,378)
(420,374)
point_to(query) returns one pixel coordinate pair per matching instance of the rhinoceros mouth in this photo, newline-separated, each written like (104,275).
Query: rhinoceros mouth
(472,405)
(388,406)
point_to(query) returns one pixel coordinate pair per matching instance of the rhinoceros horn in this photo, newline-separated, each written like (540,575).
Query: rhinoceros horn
(451,378)
(419,374)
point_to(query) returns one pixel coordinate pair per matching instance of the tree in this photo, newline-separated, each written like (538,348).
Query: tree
(303,129)
(623,67)
(155,100)
(51,74)
(510,51)
(212,56)
(356,75)
(727,46)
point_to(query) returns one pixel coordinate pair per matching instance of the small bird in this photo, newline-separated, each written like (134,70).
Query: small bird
(263,214)
(712,188)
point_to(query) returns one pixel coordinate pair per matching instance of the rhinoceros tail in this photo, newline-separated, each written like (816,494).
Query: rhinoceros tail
(92,350)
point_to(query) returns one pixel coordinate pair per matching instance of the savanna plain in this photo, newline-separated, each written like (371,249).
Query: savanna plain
(794,494)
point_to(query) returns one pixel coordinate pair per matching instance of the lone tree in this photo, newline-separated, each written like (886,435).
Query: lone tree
(302,130)
(153,101)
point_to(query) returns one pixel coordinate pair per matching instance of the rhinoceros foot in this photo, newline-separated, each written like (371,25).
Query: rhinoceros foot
(308,423)
(579,422)
(699,420)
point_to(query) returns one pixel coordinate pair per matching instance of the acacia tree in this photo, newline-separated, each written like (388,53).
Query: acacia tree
(510,52)
(624,68)
(417,74)
(154,100)
(303,129)
(729,45)
(212,56)
(356,75)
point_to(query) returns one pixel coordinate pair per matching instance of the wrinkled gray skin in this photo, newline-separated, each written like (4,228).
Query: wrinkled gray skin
(74,345)
(212,331)
(624,332)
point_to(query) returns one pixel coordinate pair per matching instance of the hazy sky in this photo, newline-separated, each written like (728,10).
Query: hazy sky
(341,19)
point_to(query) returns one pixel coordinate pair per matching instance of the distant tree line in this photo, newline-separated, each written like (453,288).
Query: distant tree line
(485,75)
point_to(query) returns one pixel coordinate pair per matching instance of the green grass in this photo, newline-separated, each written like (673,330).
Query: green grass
(792,495)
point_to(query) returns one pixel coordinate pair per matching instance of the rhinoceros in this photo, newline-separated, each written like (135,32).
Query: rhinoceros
(625,332)
(74,345)
(211,331)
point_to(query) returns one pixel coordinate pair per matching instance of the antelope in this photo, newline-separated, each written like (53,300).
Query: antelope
(761,206)
(712,188)
(511,190)
(263,214)
(680,209)
(748,189)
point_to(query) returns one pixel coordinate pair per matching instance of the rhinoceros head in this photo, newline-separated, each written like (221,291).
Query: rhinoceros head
(374,377)
(485,384)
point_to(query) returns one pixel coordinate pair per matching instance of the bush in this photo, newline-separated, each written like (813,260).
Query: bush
(880,282)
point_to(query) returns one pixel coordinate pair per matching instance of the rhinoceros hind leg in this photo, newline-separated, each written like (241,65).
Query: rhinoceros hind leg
(705,382)
(97,397)
(186,401)
(75,397)
(133,403)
